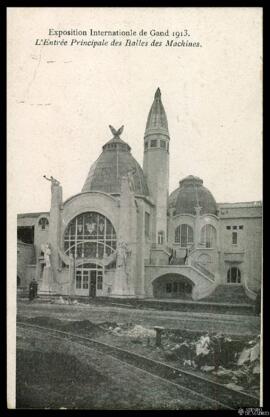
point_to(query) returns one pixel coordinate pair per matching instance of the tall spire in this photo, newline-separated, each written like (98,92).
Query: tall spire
(157,119)
(156,165)
(158,93)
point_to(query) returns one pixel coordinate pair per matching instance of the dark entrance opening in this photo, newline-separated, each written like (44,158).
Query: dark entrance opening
(172,286)
(25,234)
(93,283)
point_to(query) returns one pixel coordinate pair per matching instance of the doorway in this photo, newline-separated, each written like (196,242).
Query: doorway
(93,283)
(89,280)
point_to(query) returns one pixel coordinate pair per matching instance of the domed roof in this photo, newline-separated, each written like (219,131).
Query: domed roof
(190,194)
(115,162)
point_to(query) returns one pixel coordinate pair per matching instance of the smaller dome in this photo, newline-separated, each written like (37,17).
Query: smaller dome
(190,194)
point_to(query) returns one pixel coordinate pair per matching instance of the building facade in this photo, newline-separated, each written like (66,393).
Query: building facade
(123,235)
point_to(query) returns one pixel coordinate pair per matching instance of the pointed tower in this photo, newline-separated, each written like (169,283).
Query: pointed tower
(156,164)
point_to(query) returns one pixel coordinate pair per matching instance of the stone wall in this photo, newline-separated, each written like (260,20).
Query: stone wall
(25,262)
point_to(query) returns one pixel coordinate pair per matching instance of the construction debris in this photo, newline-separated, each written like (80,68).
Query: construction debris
(140,332)
(233,362)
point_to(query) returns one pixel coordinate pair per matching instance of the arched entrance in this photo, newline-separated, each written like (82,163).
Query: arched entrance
(172,286)
(89,238)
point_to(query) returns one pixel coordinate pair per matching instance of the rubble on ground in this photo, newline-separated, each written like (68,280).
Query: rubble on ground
(134,332)
(62,300)
(235,363)
(140,332)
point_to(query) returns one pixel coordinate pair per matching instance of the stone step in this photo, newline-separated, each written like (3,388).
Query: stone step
(229,294)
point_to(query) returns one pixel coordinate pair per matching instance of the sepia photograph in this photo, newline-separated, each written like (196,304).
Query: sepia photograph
(134,168)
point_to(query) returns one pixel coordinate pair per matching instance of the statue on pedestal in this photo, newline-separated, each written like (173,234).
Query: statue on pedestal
(116,133)
(47,254)
(47,276)
(121,284)
(52,180)
(122,253)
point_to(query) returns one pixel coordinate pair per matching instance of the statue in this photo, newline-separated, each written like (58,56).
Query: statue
(47,253)
(52,180)
(116,133)
(122,253)
(46,286)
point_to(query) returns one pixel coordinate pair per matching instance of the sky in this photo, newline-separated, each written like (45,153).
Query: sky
(62,99)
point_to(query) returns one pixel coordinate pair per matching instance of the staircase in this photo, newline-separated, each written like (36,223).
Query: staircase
(177,261)
(229,294)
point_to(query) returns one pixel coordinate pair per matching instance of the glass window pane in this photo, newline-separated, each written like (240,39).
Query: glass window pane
(184,235)
(177,235)
(160,238)
(86,235)
(147,224)
(234,238)
(190,235)
(99,282)
(78,280)
(85,281)
(208,236)
(168,287)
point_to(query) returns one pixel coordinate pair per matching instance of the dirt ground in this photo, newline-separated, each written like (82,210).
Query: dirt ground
(55,375)
(45,385)
(227,324)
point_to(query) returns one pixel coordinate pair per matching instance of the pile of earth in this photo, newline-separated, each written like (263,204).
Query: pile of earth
(81,327)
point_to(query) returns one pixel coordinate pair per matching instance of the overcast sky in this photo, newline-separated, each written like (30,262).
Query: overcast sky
(62,99)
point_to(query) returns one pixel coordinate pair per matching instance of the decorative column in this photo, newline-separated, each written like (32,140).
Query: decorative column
(123,284)
(55,226)
(197,228)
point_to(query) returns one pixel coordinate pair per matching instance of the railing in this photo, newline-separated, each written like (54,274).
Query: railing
(163,247)
(177,261)
(185,260)
(249,293)
(201,268)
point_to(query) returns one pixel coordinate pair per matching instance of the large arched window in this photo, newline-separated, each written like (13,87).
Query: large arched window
(233,275)
(90,235)
(208,236)
(184,235)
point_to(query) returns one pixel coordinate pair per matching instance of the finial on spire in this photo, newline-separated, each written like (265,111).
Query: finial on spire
(158,93)
(116,133)
(157,119)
